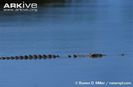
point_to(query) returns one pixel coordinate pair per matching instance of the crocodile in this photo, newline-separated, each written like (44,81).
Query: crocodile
(50,56)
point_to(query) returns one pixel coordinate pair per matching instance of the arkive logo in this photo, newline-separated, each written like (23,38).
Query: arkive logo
(23,6)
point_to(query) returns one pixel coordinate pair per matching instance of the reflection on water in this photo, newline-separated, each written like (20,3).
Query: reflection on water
(73,27)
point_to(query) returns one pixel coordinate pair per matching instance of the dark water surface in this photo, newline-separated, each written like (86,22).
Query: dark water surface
(77,26)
